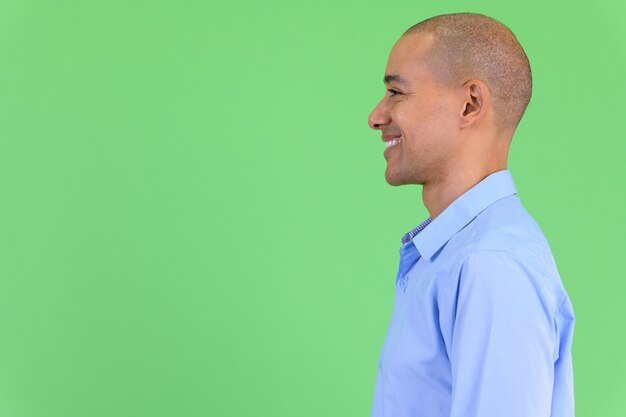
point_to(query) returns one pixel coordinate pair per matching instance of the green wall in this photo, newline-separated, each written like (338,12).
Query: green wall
(193,214)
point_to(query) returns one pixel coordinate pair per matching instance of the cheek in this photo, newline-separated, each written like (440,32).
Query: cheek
(422,121)
(421,128)
(447,113)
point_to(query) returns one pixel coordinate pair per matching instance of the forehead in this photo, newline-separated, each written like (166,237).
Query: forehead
(408,57)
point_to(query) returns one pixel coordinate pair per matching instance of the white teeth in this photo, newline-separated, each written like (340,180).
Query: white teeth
(393,142)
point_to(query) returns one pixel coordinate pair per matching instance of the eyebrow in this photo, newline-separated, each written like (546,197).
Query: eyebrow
(395,77)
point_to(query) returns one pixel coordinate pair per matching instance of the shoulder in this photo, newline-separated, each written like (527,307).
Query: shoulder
(506,227)
(503,248)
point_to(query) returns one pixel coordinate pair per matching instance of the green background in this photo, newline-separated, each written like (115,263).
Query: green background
(193,214)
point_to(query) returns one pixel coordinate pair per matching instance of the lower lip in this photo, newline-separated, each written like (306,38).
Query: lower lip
(388,150)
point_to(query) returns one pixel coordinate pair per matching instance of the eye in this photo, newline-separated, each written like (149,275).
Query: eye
(393,92)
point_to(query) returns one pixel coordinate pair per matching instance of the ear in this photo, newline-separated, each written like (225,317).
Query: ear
(476,101)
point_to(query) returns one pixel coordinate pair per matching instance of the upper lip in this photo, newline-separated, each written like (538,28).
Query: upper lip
(387,138)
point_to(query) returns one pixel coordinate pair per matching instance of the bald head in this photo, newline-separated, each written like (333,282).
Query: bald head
(472,46)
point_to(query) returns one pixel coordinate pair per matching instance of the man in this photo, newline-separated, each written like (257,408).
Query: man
(482,325)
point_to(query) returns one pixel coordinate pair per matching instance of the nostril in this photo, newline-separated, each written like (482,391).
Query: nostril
(377,119)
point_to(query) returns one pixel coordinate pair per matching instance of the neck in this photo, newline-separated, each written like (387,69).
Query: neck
(437,196)
(466,170)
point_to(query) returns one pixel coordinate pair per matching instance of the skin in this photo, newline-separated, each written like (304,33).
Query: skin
(450,141)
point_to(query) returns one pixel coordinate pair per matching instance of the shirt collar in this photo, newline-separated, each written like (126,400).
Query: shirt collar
(462,211)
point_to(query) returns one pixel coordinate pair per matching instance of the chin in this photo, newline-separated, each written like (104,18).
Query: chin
(396,179)
(393,179)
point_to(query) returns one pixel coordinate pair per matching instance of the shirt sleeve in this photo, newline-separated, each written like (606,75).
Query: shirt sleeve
(503,339)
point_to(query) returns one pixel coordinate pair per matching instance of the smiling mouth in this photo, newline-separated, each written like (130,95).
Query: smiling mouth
(393,142)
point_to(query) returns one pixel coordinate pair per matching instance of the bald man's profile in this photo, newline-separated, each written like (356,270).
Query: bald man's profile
(482,325)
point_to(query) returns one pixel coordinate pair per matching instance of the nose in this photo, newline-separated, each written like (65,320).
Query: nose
(379,116)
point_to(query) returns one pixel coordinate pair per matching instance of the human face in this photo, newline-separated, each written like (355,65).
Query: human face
(417,116)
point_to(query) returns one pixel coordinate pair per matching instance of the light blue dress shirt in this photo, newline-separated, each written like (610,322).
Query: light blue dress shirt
(481,326)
